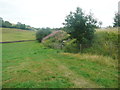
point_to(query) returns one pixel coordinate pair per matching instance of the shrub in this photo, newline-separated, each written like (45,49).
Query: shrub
(61,40)
(71,46)
(41,34)
(55,39)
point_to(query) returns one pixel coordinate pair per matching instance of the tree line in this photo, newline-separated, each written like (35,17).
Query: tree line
(19,25)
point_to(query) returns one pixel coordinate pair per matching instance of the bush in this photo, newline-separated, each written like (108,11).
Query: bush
(55,39)
(41,34)
(61,40)
(71,46)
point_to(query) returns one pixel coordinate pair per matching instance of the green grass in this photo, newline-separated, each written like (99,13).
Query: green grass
(31,65)
(11,34)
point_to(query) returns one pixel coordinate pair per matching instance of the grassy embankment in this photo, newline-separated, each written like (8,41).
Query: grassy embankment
(105,43)
(11,34)
(31,65)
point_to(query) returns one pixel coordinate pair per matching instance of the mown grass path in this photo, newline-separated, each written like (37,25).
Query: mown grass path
(31,65)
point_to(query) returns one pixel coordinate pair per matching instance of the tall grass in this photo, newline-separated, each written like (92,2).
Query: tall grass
(105,43)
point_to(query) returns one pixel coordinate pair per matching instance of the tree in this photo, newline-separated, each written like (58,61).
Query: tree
(80,26)
(100,24)
(20,25)
(40,34)
(1,21)
(116,20)
(7,24)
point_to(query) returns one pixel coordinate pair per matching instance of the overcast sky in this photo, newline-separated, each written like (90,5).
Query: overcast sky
(52,13)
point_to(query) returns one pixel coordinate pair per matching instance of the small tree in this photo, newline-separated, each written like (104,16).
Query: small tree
(1,21)
(100,24)
(80,26)
(40,34)
(7,24)
(116,20)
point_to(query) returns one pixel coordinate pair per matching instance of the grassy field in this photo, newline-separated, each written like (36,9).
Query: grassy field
(11,34)
(31,65)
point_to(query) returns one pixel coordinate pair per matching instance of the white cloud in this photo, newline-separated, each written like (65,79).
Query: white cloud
(51,13)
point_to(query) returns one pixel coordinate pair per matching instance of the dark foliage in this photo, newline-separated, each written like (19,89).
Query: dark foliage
(40,34)
(116,20)
(7,24)
(80,26)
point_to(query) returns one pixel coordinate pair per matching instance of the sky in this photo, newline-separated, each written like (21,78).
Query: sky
(52,13)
